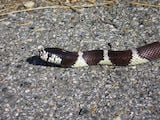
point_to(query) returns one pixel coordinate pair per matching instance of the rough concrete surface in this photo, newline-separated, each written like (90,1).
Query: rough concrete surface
(32,91)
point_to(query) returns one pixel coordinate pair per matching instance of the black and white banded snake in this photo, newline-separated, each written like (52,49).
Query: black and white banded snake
(133,56)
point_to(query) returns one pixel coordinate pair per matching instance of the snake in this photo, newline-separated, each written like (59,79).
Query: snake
(130,57)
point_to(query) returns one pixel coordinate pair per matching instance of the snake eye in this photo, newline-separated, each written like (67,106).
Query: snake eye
(49,54)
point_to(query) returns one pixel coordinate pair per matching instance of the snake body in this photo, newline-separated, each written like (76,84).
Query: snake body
(133,56)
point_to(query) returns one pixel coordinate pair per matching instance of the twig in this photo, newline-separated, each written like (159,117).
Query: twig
(57,6)
(2,19)
(64,4)
(33,9)
(145,4)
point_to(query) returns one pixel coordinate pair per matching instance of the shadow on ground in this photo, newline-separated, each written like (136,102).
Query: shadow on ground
(35,60)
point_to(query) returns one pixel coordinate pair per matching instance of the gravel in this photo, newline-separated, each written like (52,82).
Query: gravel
(38,92)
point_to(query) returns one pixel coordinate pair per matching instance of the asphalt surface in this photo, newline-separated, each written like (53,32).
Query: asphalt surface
(30,90)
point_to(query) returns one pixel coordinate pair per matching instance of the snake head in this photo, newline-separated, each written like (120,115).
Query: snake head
(41,50)
(42,53)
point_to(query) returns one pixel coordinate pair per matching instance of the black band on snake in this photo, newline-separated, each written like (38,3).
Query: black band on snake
(86,58)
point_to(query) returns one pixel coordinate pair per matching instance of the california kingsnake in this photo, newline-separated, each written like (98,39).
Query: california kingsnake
(86,58)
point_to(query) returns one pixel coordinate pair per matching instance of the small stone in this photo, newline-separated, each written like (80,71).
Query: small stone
(83,111)
(28,4)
